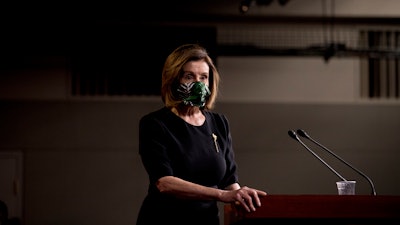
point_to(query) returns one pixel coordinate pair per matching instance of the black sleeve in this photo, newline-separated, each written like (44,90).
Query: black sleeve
(152,149)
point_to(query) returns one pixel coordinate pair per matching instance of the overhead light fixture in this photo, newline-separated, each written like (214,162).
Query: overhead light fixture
(244,6)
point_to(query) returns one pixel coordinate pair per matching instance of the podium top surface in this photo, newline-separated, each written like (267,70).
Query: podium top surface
(321,207)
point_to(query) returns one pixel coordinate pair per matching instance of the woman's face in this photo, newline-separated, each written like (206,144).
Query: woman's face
(195,71)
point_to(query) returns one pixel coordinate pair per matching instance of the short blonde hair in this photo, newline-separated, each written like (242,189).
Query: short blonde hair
(173,70)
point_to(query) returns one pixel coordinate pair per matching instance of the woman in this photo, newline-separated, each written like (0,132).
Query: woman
(186,148)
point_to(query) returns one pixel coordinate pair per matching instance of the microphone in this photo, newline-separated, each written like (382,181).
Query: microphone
(295,137)
(305,135)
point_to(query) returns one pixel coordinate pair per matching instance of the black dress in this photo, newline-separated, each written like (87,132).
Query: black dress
(169,146)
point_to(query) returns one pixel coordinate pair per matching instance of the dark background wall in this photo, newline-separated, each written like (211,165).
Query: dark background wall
(81,162)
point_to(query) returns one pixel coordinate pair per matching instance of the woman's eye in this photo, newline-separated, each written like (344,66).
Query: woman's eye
(188,77)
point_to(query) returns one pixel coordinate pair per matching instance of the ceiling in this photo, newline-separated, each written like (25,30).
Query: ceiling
(70,12)
(36,25)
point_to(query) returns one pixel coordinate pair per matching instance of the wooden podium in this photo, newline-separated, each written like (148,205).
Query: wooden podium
(318,209)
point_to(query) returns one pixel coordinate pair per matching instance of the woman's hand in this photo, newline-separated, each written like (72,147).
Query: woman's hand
(248,198)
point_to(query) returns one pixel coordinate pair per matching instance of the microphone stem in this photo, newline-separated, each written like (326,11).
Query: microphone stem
(320,159)
(348,164)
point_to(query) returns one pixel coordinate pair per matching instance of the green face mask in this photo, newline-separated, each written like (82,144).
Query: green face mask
(193,94)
